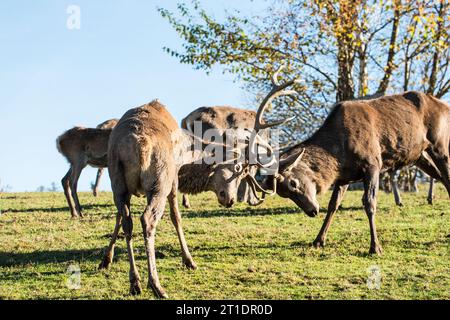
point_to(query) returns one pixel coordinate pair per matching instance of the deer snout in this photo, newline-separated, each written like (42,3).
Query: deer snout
(312,213)
(312,210)
(225,199)
(230,203)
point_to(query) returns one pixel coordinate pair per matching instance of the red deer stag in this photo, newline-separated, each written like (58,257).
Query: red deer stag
(357,141)
(219,118)
(82,147)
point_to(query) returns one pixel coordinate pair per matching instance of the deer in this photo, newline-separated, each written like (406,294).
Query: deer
(358,140)
(396,191)
(145,153)
(393,180)
(108,124)
(82,147)
(219,118)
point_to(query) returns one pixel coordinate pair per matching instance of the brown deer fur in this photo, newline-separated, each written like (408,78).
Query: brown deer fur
(141,161)
(396,191)
(82,147)
(108,124)
(196,178)
(358,140)
(146,150)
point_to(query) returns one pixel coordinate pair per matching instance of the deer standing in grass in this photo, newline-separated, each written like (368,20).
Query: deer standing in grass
(142,160)
(82,147)
(395,189)
(357,141)
(146,151)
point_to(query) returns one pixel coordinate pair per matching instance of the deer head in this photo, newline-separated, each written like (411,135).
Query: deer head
(294,181)
(221,159)
(291,179)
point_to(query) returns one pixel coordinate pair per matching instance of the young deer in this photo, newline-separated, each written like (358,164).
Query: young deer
(82,147)
(396,191)
(108,124)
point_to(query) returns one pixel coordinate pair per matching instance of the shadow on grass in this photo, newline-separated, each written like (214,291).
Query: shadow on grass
(244,212)
(55,209)
(8,259)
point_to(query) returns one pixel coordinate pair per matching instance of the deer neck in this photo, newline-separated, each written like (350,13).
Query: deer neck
(323,165)
(194,178)
(194,173)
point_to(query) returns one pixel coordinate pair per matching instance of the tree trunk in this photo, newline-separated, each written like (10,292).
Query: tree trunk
(390,65)
(437,50)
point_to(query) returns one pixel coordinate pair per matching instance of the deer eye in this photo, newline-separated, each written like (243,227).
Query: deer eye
(238,168)
(293,184)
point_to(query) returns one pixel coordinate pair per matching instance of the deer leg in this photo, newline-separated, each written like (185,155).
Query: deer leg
(397,197)
(371,181)
(109,254)
(76,171)
(185,201)
(97,182)
(67,192)
(333,205)
(176,220)
(430,191)
(149,219)
(127,225)
(427,165)
(442,161)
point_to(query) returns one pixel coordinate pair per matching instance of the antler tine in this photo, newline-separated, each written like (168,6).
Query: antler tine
(256,186)
(275,81)
(278,90)
(277,123)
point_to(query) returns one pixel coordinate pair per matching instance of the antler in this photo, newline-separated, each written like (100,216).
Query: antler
(278,90)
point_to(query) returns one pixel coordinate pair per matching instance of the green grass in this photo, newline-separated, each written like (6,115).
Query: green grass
(242,253)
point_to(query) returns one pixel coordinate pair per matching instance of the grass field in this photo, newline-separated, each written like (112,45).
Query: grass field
(242,253)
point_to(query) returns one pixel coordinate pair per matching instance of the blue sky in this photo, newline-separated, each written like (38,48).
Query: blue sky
(53,78)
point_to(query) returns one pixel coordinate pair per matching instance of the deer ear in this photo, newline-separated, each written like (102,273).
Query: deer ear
(291,161)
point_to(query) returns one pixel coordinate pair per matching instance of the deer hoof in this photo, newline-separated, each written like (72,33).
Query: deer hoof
(186,203)
(95,193)
(430,201)
(319,243)
(135,287)
(159,292)
(400,204)
(190,264)
(376,250)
